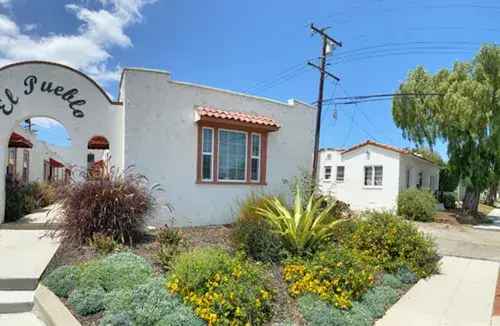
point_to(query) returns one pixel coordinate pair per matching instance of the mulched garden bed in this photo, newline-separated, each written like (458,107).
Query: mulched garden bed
(284,307)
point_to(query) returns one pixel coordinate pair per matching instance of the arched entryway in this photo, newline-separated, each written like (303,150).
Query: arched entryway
(35,88)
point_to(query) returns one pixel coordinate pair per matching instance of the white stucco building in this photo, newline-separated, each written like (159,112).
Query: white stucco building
(206,147)
(370,175)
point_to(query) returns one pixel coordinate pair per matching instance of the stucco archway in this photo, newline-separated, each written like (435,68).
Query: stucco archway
(37,88)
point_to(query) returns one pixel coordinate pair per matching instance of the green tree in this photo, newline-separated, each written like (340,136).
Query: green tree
(429,155)
(465,114)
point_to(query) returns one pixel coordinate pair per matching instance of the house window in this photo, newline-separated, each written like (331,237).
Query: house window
(12,161)
(227,155)
(328,157)
(420,180)
(207,154)
(408,178)
(90,160)
(255,164)
(340,174)
(232,155)
(432,182)
(374,175)
(328,172)
(26,165)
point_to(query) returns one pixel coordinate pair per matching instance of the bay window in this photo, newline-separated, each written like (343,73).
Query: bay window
(207,154)
(255,159)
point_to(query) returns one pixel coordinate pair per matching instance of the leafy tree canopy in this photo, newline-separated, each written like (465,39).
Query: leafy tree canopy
(465,114)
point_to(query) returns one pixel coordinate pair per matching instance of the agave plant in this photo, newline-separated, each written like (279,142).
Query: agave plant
(304,227)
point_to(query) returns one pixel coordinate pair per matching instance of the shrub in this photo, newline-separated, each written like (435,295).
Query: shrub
(336,275)
(112,203)
(87,301)
(122,270)
(19,199)
(449,200)
(118,319)
(303,230)
(393,243)
(166,236)
(46,194)
(319,313)
(222,289)
(378,299)
(62,280)
(417,205)
(148,304)
(170,241)
(391,281)
(103,244)
(406,276)
(253,234)
(182,316)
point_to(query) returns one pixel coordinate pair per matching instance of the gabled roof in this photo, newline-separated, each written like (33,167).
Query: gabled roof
(386,147)
(217,114)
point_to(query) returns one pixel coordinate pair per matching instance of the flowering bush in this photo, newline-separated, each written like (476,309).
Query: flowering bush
(336,275)
(222,289)
(393,243)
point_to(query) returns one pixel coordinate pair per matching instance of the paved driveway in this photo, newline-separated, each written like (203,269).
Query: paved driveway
(464,241)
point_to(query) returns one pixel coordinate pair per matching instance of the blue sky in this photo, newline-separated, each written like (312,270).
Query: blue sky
(259,47)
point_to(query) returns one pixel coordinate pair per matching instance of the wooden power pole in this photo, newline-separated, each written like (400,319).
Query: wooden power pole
(328,44)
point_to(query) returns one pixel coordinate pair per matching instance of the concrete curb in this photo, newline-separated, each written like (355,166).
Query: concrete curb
(51,310)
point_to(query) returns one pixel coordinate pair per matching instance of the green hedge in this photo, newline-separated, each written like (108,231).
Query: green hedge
(417,205)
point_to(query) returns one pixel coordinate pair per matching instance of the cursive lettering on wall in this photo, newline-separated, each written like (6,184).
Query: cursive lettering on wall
(69,96)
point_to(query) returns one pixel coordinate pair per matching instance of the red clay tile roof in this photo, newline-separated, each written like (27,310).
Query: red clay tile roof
(206,111)
(98,142)
(388,147)
(55,163)
(18,141)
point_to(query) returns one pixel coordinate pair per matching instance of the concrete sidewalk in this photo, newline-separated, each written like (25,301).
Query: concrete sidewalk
(494,215)
(462,295)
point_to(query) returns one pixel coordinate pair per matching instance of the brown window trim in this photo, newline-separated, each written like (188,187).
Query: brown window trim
(215,155)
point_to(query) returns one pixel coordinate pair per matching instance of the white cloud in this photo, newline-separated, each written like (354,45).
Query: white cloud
(45,122)
(30,27)
(5,3)
(87,49)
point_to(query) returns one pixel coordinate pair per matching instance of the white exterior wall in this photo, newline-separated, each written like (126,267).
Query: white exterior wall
(331,158)
(416,165)
(161,142)
(362,197)
(102,116)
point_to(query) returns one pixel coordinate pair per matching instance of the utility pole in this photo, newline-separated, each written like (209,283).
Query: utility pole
(328,44)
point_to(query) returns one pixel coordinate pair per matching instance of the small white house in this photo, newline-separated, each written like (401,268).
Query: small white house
(208,148)
(370,175)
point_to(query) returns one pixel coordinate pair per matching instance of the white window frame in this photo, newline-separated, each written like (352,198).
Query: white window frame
(327,174)
(372,176)
(337,174)
(245,179)
(258,157)
(203,153)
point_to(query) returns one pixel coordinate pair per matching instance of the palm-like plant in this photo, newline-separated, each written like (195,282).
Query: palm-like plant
(303,227)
